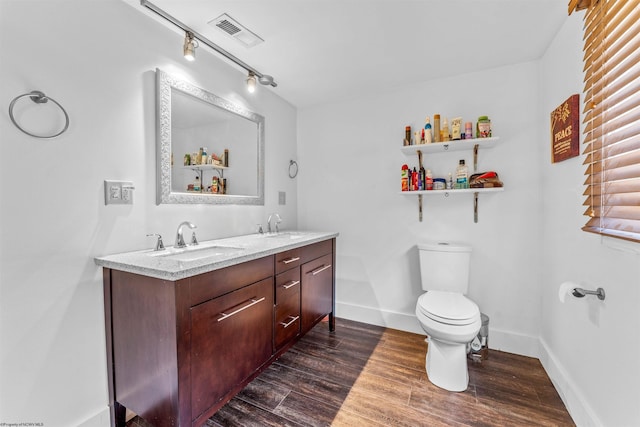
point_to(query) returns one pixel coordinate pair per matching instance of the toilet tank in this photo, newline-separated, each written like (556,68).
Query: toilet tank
(444,266)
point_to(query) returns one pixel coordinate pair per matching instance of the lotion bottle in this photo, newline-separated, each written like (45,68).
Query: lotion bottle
(428,136)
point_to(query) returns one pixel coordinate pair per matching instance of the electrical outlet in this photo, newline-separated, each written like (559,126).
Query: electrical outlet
(118,192)
(282,198)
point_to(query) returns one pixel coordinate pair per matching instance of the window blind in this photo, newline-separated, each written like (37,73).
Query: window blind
(612,118)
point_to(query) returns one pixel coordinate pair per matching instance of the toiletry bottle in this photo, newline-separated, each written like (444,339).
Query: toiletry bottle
(429,180)
(404,180)
(483,127)
(450,182)
(407,135)
(414,179)
(468,130)
(422,177)
(462,175)
(456,124)
(196,184)
(445,130)
(205,156)
(428,135)
(225,161)
(436,128)
(214,185)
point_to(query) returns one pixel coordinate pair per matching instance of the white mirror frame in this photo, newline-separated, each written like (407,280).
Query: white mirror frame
(164,84)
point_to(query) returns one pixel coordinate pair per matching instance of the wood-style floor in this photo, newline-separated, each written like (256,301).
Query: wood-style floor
(364,375)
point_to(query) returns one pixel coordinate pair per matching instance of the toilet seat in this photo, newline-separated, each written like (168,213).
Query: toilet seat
(450,308)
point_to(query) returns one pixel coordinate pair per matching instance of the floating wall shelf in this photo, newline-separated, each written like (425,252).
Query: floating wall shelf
(441,147)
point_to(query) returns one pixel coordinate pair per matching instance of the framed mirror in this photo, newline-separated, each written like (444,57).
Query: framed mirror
(209,150)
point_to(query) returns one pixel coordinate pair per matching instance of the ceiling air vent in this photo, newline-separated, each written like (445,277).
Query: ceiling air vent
(233,28)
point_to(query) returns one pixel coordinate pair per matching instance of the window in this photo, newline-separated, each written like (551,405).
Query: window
(612,117)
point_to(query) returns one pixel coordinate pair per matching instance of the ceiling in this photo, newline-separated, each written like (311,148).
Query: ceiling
(324,50)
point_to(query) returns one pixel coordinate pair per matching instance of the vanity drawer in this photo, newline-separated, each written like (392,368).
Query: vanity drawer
(210,285)
(287,317)
(287,283)
(288,259)
(317,250)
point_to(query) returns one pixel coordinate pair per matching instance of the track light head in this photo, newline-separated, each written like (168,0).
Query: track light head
(251,82)
(190,45)
(267,80)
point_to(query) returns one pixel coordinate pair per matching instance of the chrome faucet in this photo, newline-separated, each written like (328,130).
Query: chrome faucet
(179,237)
(278,221)
(159,244)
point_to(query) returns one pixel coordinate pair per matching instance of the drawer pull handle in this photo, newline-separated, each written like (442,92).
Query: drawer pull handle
(290,322)
(251,302)
(291,284)
(319,269)
(290,260)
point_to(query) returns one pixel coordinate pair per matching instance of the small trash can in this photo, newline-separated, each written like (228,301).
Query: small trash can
(479,347)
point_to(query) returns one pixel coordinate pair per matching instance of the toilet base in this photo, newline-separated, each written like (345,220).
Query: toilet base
(446,365)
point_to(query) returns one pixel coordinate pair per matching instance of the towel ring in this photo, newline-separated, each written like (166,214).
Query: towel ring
(291,164)
(39,98)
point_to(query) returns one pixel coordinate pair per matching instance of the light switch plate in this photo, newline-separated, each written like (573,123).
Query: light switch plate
(118,192)
(282,198)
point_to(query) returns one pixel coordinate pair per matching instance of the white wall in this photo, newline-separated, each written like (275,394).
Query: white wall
(590,348)
(350,182)
(97,58)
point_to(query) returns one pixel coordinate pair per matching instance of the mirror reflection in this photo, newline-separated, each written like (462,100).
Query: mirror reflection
(210,150)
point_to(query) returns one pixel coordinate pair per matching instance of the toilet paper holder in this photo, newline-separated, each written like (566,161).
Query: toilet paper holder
(579,293)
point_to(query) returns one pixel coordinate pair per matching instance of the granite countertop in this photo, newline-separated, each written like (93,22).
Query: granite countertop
(175,264)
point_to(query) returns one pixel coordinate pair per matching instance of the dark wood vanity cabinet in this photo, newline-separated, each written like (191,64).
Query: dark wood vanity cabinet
(230,338)
(177,351)
(317,290)
(287,307)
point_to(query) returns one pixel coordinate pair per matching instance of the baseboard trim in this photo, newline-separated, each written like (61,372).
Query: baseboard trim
(511,342)
(101,419)
(579,409)
(376,316)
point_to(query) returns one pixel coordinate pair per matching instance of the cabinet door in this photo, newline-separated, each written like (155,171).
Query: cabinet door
(316,291)
(287,320)
(231,338)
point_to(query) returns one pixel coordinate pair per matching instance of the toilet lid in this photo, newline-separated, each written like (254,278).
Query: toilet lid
(451,308)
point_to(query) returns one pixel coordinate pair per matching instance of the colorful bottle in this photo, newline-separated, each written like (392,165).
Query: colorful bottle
(462,176)
(405,178)
(468,130)
(414,180)
(428,135)
(214,185)
(196,184)
(429,180)
(483,128)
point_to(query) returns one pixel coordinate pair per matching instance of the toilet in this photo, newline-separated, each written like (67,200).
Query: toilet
(448,317)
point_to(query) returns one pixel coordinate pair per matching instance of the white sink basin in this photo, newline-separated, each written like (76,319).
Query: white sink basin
(194,253)
(285,235)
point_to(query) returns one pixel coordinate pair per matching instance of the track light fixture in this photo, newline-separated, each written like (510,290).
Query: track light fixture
(251,82)
(193,39)
(190,45)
